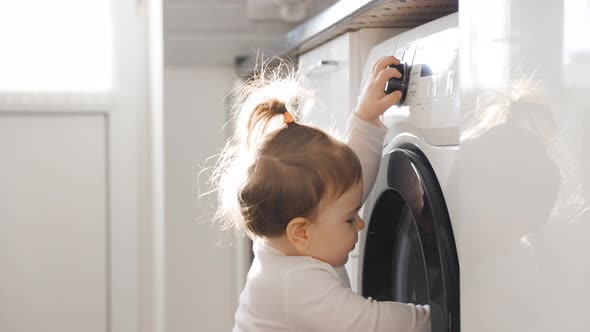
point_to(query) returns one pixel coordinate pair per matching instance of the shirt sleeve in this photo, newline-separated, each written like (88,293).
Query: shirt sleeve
(316,301)
(366,140)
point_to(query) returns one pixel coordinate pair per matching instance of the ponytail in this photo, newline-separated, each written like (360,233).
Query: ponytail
(264,112)
(274,168)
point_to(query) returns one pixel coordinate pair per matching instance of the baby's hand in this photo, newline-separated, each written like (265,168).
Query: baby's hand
(373,101)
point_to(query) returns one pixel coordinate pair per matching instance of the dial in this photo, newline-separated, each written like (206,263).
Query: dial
(399,84)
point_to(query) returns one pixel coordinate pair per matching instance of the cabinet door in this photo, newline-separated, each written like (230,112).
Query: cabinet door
(78,153)
(53,223)
(334,71)
(327,71)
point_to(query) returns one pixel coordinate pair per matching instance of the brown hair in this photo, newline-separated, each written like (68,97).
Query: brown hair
(277,174)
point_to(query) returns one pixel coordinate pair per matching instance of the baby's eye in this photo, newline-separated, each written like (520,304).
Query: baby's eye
(350,221)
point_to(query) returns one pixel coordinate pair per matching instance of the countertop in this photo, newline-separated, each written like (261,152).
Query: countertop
(351,15)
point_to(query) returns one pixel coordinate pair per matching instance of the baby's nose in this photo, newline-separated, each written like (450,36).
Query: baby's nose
(360,224)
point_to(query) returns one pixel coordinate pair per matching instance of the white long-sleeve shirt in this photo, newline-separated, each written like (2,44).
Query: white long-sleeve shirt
(301,293)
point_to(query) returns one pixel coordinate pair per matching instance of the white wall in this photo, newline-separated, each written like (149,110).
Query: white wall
(200,273)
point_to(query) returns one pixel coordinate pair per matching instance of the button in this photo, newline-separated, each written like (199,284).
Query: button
(425,89)
(435,81)
(450,83)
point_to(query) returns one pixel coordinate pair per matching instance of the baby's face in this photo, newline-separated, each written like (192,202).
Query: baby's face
(335,231)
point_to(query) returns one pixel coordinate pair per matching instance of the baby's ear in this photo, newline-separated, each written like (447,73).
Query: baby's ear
(298,233)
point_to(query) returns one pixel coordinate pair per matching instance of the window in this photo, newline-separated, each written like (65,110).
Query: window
(59,46)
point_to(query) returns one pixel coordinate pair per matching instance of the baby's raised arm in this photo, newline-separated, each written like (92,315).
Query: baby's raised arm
(366,140)
(365,131)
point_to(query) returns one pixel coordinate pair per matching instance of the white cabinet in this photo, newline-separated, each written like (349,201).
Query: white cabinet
(54,222)
(335,70)
(79,189)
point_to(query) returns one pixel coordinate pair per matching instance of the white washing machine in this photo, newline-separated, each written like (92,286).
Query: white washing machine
(481,207)
(407,251)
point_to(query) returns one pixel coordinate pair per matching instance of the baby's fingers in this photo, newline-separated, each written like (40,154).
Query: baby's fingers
(383,63)
(385,74)
(390,99)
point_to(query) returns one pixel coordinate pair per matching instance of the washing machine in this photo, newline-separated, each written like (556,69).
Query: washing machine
(481,207)
(407,251)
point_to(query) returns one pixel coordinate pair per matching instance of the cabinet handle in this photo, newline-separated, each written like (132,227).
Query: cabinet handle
(322,66)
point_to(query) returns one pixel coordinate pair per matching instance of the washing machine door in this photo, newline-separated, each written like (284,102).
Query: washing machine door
(409,252)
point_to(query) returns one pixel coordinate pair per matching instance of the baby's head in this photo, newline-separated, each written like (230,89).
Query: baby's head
(297,167)
(298,183)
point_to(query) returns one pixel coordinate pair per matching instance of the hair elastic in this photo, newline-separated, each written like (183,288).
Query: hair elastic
(288,118)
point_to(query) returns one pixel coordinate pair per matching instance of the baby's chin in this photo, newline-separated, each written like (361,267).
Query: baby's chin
(338,264)
(344,261)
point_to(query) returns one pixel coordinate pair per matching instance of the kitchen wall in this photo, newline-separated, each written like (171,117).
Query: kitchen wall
(201,268)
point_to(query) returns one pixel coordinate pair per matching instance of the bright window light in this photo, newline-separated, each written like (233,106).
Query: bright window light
(60,46)
(576,44)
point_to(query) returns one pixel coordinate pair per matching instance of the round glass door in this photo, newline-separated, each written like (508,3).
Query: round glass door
(410,253)
(409,272)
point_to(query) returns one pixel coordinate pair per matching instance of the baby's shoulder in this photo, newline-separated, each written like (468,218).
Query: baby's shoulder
(273,276)
(309,267)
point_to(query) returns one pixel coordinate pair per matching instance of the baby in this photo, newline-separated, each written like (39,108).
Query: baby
(298,191)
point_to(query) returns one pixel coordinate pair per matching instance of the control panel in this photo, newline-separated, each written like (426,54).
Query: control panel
(428,65)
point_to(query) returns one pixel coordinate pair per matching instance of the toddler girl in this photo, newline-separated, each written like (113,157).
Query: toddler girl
(298,191)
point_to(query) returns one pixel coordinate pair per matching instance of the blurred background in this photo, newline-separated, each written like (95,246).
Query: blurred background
(205,42)
(109,110)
